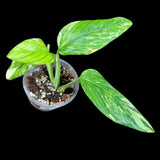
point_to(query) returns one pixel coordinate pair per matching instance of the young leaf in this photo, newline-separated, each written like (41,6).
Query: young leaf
(50,68)
(111,102)
(86,37)
(31,51)
(17,69)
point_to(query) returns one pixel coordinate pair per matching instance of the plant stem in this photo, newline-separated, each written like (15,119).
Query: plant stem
(50,72)
(50,69)
(57,71)
(62,88)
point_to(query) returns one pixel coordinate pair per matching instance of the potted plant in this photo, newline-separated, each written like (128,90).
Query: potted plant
(50,82)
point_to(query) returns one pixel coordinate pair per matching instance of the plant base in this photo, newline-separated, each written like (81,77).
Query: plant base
(40,91)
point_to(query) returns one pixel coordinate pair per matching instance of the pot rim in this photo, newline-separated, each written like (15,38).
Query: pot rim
(45,107)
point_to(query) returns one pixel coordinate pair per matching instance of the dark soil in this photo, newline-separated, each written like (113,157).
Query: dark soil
(40,86)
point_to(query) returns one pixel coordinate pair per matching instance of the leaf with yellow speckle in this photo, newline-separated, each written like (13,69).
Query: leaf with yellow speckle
(111,102)
(88,36)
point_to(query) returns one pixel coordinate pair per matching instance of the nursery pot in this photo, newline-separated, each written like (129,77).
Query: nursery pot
(45,107)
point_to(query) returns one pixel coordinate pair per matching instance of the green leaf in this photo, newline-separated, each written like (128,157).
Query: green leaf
(17,69)
(86,37)
(31,51)
(111,102)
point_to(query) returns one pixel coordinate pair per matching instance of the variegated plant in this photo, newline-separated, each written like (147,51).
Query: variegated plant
(82,38)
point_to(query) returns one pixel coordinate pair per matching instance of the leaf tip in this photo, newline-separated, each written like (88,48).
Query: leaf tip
(148,129)
(128,22)
(8,56)
(9,74)
(151,130)
(125,21)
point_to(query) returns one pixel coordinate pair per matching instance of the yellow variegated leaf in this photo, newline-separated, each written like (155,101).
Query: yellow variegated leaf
(111,102)
(17,69)
(31,51)
(88,36)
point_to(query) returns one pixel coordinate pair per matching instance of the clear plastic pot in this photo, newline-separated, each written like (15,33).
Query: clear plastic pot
(45,107)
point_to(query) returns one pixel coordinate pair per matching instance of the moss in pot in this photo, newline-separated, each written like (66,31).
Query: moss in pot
(76,38)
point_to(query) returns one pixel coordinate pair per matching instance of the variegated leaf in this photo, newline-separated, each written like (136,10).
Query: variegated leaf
(17,69)
(111,102)
(31,51)
(88,36)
